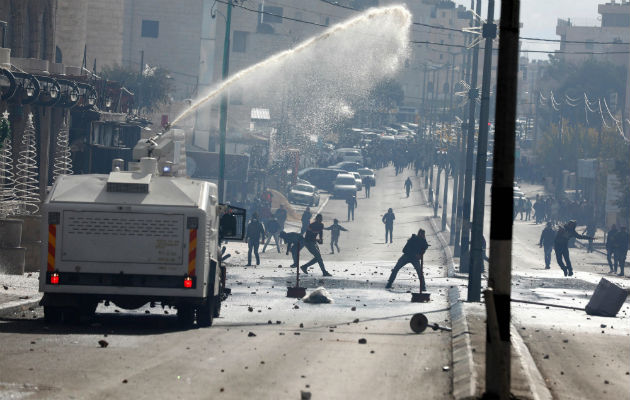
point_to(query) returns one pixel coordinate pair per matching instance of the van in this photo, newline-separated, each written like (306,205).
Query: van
(323,178)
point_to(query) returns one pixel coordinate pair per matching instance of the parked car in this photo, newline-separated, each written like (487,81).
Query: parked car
(304,194)
(345,186)
(348,166)
(323,178)
(367,174)
(358,180)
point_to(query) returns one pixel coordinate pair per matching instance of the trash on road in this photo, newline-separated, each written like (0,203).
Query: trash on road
(318,296)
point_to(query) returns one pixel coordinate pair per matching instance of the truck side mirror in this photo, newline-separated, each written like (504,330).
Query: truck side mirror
(232,223)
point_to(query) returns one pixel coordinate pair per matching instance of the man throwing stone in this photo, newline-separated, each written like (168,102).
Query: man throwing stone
(413,253)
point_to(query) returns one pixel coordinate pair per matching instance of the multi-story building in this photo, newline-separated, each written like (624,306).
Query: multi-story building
(612,36)
(90,29)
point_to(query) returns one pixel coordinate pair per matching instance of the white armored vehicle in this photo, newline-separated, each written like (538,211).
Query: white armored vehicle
(132,238)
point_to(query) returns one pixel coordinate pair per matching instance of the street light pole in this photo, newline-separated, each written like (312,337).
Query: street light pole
(224,103)
(476,254)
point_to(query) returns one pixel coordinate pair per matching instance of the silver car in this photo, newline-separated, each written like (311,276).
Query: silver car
(345,186)
(304,194)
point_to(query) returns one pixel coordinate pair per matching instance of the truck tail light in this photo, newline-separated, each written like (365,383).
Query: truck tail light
(54,278)
(188,282)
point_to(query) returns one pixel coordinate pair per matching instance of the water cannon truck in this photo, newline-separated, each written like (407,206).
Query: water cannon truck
(142,236)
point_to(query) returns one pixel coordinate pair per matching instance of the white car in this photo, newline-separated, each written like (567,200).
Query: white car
(367,174)
(304,194)
(359,181)
(345,186)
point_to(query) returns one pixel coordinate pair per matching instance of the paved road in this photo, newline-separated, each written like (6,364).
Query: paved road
(297,347)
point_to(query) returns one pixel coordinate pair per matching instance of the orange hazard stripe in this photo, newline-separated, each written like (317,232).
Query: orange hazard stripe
(192,252)
(52,242)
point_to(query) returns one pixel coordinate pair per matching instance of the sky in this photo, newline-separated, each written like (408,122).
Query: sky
(539,18)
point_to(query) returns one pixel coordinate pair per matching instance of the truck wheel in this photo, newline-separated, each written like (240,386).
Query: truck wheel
(52,315)
(186,316)
(217,307)
(205,316)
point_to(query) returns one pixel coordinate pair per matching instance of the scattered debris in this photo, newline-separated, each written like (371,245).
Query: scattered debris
(305,395)
(124,381)
(318,296)
(251,334)
(103,343)
(446,368)
(362,341)
(250,309)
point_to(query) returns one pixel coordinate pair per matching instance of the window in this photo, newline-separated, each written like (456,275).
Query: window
(150,29)
(58,55)
(273,15)
(240,42)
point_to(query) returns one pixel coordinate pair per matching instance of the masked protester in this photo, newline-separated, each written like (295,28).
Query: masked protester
(413,253)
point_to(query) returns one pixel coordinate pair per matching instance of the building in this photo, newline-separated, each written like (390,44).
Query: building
(612,35)
(90,27)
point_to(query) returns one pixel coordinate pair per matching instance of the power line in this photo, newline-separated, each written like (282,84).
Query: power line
(420,24)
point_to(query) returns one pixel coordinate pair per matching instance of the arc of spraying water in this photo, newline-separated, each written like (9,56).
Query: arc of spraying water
(369,14)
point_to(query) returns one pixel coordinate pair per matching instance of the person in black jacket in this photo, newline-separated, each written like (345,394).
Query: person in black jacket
(272,229)
(620,249)
(413,253)
(306,220)
(255,233)
(609,246)
(561,246)
(315,229)
(388,220)
(547,238)
(294,242)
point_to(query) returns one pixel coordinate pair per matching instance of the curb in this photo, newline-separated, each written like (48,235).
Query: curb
(13,307)
(536,383)
(464,375)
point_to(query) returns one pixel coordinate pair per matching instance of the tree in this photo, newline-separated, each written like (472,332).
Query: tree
(151,87)
(384,96)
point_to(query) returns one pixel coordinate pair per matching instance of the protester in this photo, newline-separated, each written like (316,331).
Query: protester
(547,238)
(388,220)
(335,230)
(295,242)
(413,253)
(408,185)
(306,219)
(609,246)
(255,234)
(561,246)
(351,201)
(314,230)
(272,229)
(620,243)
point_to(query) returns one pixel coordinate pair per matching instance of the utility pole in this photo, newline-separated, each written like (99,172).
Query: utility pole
(456,169)
(476,253)
(500,274)
(462,157)
(472,98)
(445,200)
(436,203)
(224,103)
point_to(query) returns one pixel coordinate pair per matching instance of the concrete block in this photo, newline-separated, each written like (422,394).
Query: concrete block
(10,233)
(31,229)
(33,256)
(12,261)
